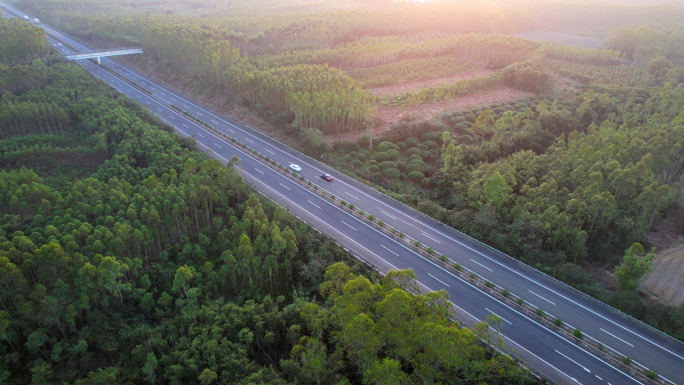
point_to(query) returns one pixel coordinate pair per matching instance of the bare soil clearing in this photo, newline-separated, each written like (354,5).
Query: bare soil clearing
(602,273)
(666,280)
(668,232)
(395,89)
(388,116)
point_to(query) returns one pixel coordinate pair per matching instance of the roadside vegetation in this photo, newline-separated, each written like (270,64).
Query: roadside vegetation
(128,256)
(567,175)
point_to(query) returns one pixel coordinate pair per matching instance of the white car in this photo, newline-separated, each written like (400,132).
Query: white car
(26,17)
(295,167)
(59,44)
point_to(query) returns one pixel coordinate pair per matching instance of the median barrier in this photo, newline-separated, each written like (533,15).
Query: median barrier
(545,320)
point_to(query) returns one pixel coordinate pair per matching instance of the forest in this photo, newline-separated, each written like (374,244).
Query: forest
(128,256)
(581,159)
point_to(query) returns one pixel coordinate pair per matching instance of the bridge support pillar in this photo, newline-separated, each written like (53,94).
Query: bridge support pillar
(98,61)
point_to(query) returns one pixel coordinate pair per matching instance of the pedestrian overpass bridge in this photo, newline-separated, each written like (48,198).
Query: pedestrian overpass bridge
(101,54)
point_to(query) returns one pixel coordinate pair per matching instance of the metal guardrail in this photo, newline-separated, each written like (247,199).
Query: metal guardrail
(453,318)
(532,269)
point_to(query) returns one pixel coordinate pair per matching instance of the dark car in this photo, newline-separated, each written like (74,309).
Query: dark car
(327,177)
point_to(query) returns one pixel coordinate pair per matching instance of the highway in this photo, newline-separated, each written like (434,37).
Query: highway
(557,358)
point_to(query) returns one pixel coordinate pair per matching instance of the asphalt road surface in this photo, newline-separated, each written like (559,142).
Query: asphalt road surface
(552,355)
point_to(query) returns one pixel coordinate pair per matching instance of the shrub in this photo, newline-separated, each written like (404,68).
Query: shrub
(411,141)
(414,151)
(371,218)
(430,250)
(309,184)
(357,163)
(401,234)
(373,168)
(361,212)
(505,293)
(381,223)
(416,175)
(363,141)
(558,322)
(301,178)
(626,360)
(392,154)
(539,312)
(352,207)
(393,230)
(443,258)
(578,334)
(431,135)
(361,157)
(600,347)
(332,197)
(651,374)
(457,266)
(315,187)
(387,164)
(380,156)
(489,284)
(461,128)
(464,139)
(472,275)
(343,203)
(416,243)
(392,173)
(384,146)
(520,301)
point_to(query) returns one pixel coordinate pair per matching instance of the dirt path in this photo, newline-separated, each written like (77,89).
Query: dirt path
(395,89)
(666,280)
(388,116)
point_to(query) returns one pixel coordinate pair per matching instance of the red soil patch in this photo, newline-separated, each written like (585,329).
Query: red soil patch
(395,89)
(388,116)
